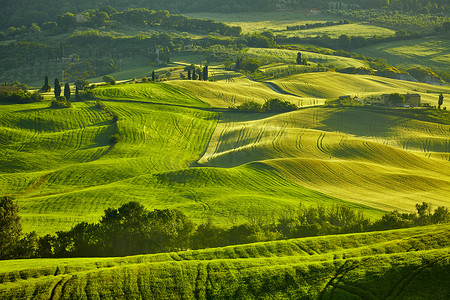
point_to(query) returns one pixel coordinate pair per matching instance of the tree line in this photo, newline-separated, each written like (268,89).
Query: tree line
(132,229)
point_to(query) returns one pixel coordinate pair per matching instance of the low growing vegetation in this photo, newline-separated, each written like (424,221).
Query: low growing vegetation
(132,229)
(271,106)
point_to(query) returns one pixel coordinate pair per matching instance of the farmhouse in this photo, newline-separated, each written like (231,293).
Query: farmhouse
(410,99)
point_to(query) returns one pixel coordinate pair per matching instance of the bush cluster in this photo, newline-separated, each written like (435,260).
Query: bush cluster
(60,102)
(271,106)
(19,97)
(132,229)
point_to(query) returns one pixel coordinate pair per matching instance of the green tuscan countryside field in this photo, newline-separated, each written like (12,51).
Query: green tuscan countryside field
(185,144)
(429,52)
(382,265)
(178,150)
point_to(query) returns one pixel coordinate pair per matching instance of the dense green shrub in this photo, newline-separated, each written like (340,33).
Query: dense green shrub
(278,105)
(109,79)
(19,97)
(60,102)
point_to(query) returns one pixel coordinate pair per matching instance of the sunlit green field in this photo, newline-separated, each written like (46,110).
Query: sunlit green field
(411,263)
(290,56)
(176,151)
(338,30)
(259,21)
(430,52)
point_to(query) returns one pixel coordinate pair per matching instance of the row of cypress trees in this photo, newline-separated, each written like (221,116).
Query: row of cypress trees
(201,75)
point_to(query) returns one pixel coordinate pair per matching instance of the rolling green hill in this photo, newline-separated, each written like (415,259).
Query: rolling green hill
(411,263)
(175,151)
(429,52)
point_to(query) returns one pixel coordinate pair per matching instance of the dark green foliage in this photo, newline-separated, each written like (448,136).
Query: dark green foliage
(238,64)
(440,101)
(250,65)
(205,73)
(114,139)
(278,105)
(132,229)
(153,76)
(57,88)
(60,102)
(299,58)
(194,75)
(249,106)
(10,227)
(189,74)
(81,84)
(46,87)
(109,80)
(19,97)
(396,98)
(67,91)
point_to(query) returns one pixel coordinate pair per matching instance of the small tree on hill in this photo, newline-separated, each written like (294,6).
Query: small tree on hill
(299,58)
(441,100)
(396,98)
(46,87)
(109,79)
(77,93)
(189,74)
(153,76)
(57,89)
(205,73)
(194,75)
(67,91)
(10,227)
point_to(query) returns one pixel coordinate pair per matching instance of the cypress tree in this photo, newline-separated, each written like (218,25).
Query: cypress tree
(205,73)
(440,101)
(194,75)
(189,74)
(57,89)
(299,58)
(77,93)
(46,87)
(153,76)
(67,91)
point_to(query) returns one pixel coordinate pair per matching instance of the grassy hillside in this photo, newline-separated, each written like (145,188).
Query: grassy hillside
(60,163)
(62,168)
(382,161)
(259,21)
(338,30)
(290,56)
(411,263)
(233,89)
(429,52)
(148,92)
(331,85)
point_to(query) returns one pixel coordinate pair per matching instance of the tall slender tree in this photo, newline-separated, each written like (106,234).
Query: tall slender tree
(57,89)
(189,74)
(441,100)
(10,227)
(77,93)
(299,58)
(153,76)
(194,75)
(67,91)
(205,73)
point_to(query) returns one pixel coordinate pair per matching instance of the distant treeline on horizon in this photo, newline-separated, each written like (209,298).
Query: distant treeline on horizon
(26,12)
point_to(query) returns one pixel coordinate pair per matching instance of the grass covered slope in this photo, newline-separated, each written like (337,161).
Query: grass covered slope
(379,265)
(331,85)
(233,89)
(290,56)
(61,165)
(429,52)
(355,155)
(148,92)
